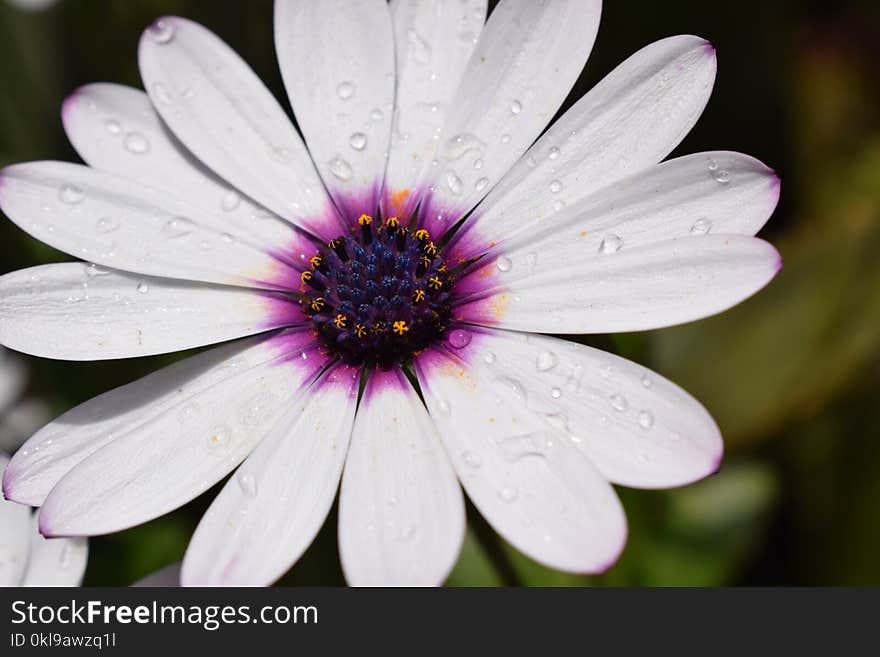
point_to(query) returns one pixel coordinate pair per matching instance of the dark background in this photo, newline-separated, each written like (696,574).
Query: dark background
(791,375)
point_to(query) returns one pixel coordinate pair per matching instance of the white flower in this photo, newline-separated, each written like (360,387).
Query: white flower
(209,221)
(28,559)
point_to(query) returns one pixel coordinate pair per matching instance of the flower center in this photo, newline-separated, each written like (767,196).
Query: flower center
(379,296)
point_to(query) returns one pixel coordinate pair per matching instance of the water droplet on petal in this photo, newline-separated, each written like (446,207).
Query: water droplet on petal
(553,153)
(701,227)
(345,90)
(713,165)
(646,419)
(248,484)
(547,360)
(376,114)
(646,381)
(478,164)
(471,459)
(113,126)
(341,169)
(358,141)
(503,263)
(515,107)
(722,177)
(135,142)
(556,393)
(459,338)
(618,402)
(178,227)
(231,200)
(143,288)
(453,182)
(508,494)
(481,184)
(611,244)
(161,31)
(106,225)
(505,138)
(405,535)
(420,48)
(71,194)
(490,358)
(555,186)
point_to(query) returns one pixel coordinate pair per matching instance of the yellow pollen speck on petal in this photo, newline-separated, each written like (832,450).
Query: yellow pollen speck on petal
(400,327)
(435,282)
(340,321)
(583,233)
(419,296)
(398,198)
(365,220)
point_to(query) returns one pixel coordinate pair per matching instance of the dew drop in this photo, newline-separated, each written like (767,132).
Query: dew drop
(503,263)
(558,205)
(505,138)
(226,238)
(358,141)
(406,534)
(444,407)
(231,200)
(248,484)
(722,177)
(340,168)
(471,459)
(555,186)
(459,338)
(508,494)
(136,143)
(713,165)
(71,194)
(646,381)
(162,94)
(611,244)
(420,48)
(161,31)
(113,126)
(515,107)
(646,419)
(376,114)
(478,164)
(456,147)
(345,90)
(178,227)
(618,402)
(490,357)
(481,184)
(106,225)
(553,153)
(143,288)
(547,360)
(453,182)
(701,227)
(556,393)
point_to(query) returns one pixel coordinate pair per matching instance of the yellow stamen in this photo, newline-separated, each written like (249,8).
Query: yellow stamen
(317,304)
(340,321)
(431,249)
(425,260)
(422,234)
(435,282)
(400,327)
(359,330)
(392,222)
(419,296)
(316,261)
(365,220)
(306,276)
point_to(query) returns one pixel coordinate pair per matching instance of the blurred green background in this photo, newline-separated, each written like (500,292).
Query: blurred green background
(792,375)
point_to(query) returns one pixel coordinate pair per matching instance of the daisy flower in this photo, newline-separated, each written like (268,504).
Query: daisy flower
(418,238)
(29,559)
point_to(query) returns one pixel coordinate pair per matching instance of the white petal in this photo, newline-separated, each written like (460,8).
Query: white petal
(270,511)
(184,449)
(636,289)
(714,192)
(12,379)
(66,441)
(167,577)
(77,311)
(433,42)
(15,537)
(337,61)
(120,223)
(221,111)
(116,129)
(531,483)
(401,511)
(55,561)
(636,427)
(525,63)
(629,121)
